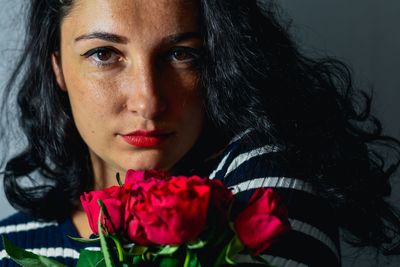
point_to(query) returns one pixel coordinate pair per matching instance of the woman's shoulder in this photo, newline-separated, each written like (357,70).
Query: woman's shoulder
(244,166)
(22,229)
(47,238)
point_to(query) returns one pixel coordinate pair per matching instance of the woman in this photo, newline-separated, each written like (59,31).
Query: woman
(215,88)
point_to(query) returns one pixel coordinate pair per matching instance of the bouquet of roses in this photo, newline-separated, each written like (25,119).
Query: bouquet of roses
(154,220)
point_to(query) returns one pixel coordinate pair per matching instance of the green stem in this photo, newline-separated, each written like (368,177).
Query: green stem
(119,248)
(187,258)
(103,242)
(107,216)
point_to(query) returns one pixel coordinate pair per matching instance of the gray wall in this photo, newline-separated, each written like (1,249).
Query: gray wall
(363,33)
(11,31)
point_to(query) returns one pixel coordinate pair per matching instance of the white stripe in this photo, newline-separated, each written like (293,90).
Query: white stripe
(25,227)
(248,155)
(220,166)
(275,261)
(49,252)
(3,254)
(93,248)
(314,232)
(282,182)
(222,163)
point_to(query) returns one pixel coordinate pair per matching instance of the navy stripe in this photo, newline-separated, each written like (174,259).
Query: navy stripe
(271,164)
(310,209)
(8,263)
(53,236)
(16,218)
(303,207)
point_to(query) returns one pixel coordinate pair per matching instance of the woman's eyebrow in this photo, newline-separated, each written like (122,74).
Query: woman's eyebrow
(176,38)
(110,37)
(115,38)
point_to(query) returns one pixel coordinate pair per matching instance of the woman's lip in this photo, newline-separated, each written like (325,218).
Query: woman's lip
(146,139)
(154,133)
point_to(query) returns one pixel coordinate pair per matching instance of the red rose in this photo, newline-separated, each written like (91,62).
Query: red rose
(133,176)
(262,221)
(112,199)
(169,211)
(221,199)
(137,189)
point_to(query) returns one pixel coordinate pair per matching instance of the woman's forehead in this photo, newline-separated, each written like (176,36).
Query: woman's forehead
(132,17)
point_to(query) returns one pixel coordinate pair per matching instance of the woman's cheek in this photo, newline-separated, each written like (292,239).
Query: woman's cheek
(183,93)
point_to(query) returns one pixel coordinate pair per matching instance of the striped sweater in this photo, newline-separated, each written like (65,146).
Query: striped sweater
(313,240)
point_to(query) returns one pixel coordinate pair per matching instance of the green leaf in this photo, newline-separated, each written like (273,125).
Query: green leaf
(169,262)
(197,245)
(225,257)
(26,258)
(49,262)
(137,260)
(85,240)
(103,242)
(104,210)
(221,258)
(167,250)
(234,247)
(137,251)
(89,258)
(120,250)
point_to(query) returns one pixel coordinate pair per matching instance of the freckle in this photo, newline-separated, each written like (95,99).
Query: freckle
(93,132)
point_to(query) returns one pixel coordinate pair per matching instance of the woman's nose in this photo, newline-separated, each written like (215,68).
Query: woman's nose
(145,94)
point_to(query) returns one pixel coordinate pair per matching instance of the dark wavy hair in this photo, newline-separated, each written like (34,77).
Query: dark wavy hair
(253,76)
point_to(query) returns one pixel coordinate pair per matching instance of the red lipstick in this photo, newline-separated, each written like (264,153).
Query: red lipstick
(145,138)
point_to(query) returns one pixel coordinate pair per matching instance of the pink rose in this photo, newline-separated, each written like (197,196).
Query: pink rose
(112,199)
(262,221)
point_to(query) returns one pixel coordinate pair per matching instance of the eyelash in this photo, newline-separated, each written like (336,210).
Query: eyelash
(98,50)
(192,53)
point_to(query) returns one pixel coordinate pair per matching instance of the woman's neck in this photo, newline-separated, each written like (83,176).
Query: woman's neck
(79,220)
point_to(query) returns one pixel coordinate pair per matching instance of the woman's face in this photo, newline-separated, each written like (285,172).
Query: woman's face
(129,68)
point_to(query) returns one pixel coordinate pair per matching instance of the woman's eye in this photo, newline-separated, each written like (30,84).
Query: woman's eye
(183,55)
(103,56)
